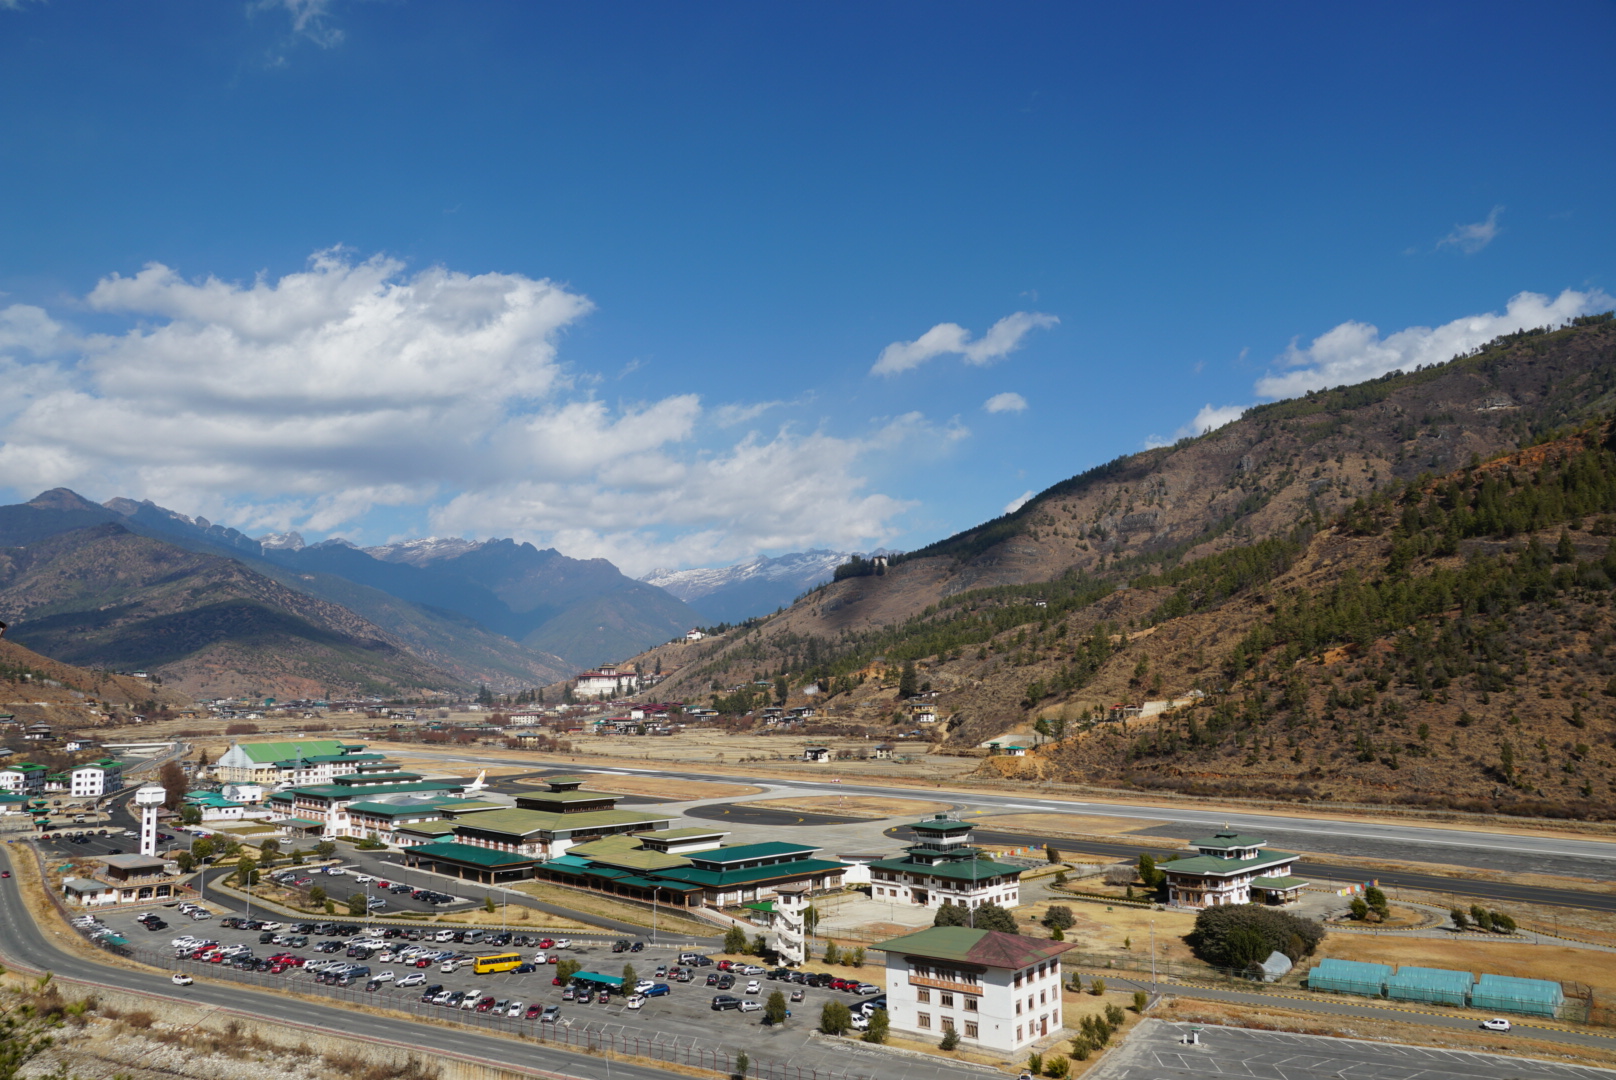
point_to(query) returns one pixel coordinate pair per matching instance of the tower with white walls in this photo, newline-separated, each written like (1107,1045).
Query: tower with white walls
(149,798)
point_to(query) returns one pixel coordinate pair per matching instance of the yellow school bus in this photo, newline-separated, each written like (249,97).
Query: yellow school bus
(509,961)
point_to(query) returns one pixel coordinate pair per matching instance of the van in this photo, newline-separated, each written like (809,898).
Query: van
(473,937)
(443,935)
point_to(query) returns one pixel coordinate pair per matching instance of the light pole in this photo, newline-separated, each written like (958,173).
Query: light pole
(1153,987)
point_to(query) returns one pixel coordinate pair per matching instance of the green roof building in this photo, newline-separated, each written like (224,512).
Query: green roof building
(942,868)
(1232,868)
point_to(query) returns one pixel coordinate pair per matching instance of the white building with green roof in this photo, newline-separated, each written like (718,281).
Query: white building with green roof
(23,778)
(1232,868)
(95,779)
(942,868)
(296,761)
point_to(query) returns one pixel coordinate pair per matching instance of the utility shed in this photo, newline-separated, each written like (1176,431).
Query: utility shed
(1506,993)
(1349,977)
(1275,967)
(1437,986)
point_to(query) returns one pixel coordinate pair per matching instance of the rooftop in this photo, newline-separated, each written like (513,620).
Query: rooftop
(1228,839)
(985,948)
(466,853)
(768,849)
(1214,865)
(268,753)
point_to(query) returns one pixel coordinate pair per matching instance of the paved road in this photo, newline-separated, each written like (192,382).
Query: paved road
(1501,891)
(1156,1051)
(742,814)
(1416,842)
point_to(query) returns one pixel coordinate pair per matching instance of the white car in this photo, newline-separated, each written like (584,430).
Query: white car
(269,926)
(363,879)
(753,987)
(751,1006)
(643,985)
(860,1021)
(414,978)
(382,976)
(472,998)
(336,871)
(180,980)
(637,1001)
(517,1008)
(1496,1024)
(562,943)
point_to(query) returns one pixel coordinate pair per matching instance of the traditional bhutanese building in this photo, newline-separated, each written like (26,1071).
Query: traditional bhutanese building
(942,868)
(1231,869)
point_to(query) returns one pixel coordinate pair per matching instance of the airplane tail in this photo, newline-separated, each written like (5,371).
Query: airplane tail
(479,783)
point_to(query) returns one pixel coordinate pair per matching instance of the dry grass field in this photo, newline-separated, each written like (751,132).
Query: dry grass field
(658,787)
(874,807)
(1077,826)
(1099,929)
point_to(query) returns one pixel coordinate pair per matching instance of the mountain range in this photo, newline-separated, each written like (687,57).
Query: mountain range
(133,584)
(1393,591)
(733,594)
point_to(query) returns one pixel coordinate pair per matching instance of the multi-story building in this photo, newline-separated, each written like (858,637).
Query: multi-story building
(322,809)
(1231,869)
(304,761)
(95,779)
(942,868)
(23,778)
(606,681)
(995,991)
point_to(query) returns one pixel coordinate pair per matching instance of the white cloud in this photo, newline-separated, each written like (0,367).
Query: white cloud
(1018,502)
(1475,236)
(1002,338)
(310,19)
(1355,351)
(1210,418)
(1005,402)
(310,400)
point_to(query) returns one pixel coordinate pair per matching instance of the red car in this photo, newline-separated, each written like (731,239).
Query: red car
(485,1004)
(554,959)
(725,965)
(556,981)
(547,943)
(423,963)
(533,1011)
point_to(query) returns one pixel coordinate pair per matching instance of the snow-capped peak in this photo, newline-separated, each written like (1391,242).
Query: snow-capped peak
(286,541)
(426,550)
(803,569)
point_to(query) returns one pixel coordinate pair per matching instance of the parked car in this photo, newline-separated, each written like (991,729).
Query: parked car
(751,1006)
(636,1001)
(550,1014)
(659,990)
(753,987)
(724,1002)
(515,1008)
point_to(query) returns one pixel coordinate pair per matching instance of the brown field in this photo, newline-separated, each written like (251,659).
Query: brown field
(1099,929)
(662,788)
(1555,962)
(1518,1043)
(1077,826)
(870,806)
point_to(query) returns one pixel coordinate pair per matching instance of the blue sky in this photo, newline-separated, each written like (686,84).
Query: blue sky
(675,284)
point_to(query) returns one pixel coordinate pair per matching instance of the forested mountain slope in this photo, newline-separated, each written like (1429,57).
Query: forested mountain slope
(1161,574)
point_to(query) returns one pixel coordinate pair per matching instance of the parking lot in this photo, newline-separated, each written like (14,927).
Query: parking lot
(682,1018)
(1157,1051)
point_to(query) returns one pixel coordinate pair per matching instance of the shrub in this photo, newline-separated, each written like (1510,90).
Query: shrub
(1140,1000)
(833,955)
(950,1040)
(774,1010)
(856,957)
(1081,1049)
(1114,1015)
(835,1018)
(1059,917)
(1504,924)
(1237,935)
(880,1024)
(1035,1064)
(1461,921)
(1096,986)
(1057,1067)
